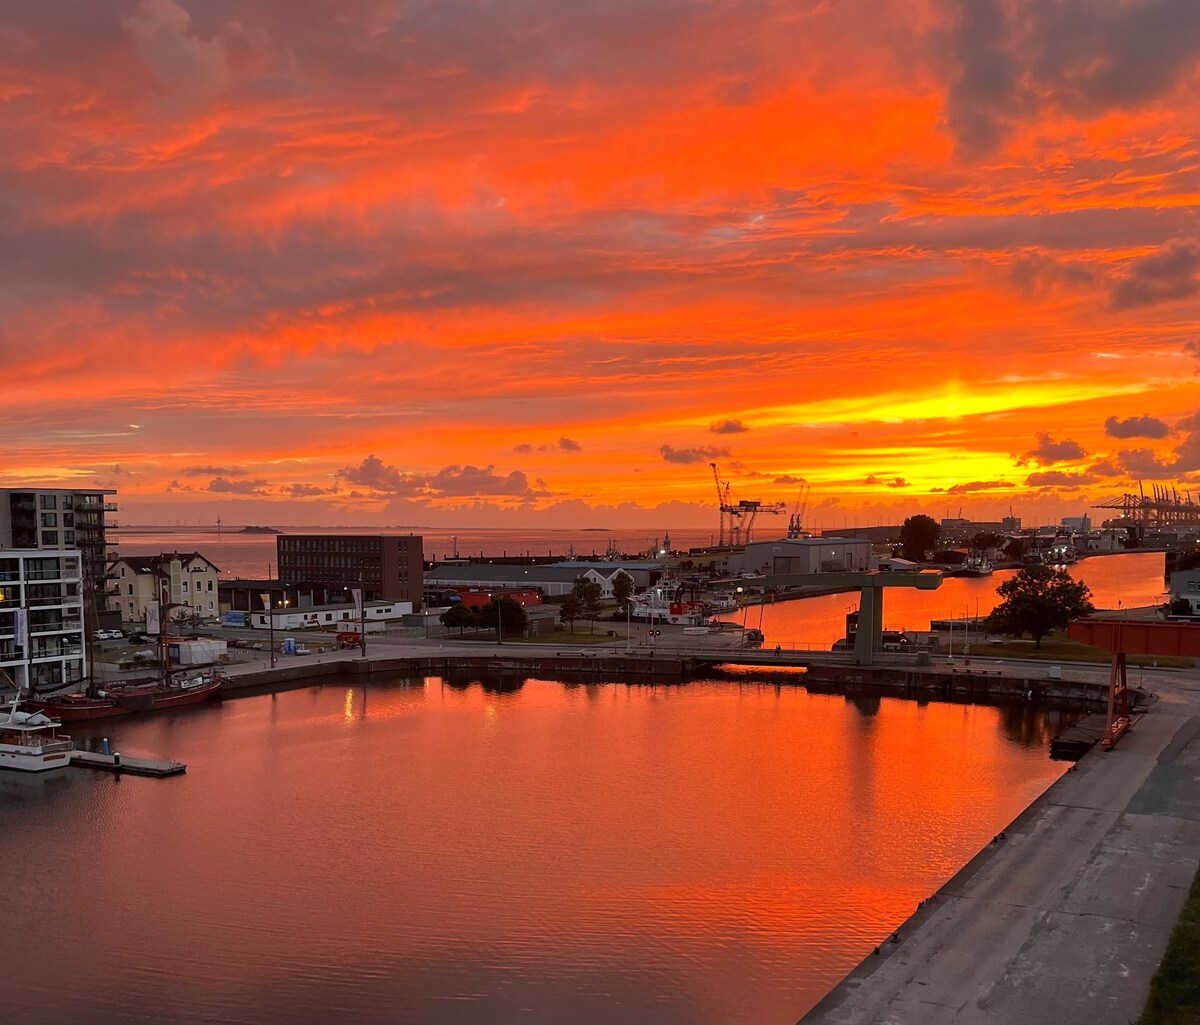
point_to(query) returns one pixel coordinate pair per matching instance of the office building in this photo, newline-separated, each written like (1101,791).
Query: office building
(388,567)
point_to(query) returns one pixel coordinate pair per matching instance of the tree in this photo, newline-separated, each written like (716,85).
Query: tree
(512,617)
(918,537)
(1015,549)
(1037,600)
(622,586)
(985,540)
(587,593)
(459,616)
(570,611)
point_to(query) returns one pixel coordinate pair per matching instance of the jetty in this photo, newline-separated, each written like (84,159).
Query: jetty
(131,764)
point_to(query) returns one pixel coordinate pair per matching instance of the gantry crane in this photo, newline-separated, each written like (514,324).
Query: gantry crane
(732,515)
(751,509)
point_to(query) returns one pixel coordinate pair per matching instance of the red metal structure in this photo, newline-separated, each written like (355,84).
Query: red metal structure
(1131,637)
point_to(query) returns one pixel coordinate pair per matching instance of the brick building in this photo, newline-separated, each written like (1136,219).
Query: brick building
(389,566)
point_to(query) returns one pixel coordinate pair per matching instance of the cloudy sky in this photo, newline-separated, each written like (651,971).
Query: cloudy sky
(472,262)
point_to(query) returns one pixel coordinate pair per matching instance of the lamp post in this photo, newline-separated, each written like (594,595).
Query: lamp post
(362,618)
(745,609)
(499,624)
(269,606)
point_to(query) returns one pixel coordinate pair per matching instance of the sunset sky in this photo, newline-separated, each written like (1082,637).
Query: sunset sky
(459,262)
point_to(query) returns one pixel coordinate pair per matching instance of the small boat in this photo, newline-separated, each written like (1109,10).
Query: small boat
(29,741)
(126,699)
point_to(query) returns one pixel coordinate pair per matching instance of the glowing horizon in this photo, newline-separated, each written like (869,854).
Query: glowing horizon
(543,264)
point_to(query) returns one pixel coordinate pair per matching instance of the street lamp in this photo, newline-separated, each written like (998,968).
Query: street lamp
(269,606)
(499,623)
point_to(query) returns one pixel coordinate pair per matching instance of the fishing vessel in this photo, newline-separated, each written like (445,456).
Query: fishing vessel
(29,741)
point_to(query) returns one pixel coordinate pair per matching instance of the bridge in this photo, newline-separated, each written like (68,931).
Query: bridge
(868,640)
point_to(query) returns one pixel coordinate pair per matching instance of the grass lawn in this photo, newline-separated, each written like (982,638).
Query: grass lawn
(1056,648)
(1175,989)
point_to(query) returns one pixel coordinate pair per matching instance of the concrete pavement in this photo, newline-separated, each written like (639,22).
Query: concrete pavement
(1064,919)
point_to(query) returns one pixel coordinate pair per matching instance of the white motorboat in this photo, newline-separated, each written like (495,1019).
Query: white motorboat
(29,741)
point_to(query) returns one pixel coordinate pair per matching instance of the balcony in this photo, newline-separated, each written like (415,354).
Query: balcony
(110,506)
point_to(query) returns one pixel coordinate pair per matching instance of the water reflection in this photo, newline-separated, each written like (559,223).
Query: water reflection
(512,851)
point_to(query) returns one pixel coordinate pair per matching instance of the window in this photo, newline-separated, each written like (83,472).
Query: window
(49,538)
(49,519)
(131,612)
(210,605)
(184,586)
(210,585)
(130,586)
(49,501)
(68,537)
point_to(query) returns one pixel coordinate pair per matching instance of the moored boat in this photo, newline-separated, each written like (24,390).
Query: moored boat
(126,699)
(29,741)
(974,566)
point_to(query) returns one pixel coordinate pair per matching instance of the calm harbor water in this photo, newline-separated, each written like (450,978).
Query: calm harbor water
(434,853)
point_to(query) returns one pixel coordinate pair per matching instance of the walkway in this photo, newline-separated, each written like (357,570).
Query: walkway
(1064,919)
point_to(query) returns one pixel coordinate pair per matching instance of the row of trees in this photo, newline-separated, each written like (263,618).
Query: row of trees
(510,617)
(919,536)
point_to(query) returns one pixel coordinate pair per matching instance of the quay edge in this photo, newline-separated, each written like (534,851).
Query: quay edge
(1064,915)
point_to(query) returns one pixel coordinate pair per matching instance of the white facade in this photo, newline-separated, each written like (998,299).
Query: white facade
(321,617)
(42,640)
(189,579)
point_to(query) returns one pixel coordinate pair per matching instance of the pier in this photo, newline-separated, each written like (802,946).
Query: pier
(119,763)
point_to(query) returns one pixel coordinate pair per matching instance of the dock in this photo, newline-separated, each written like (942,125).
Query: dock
(131,764)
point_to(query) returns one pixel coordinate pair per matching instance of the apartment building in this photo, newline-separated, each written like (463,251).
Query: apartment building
(187,580)
(42,631)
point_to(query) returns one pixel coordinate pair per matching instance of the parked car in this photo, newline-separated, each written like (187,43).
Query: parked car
(141,638)
(107,635)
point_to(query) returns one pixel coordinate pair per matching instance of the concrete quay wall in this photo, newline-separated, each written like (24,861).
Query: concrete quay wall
(320,667)
(1063,918)
(961,683)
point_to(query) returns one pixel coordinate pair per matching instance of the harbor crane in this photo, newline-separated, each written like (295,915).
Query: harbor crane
(795,528)
(728,512)
(732,516)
